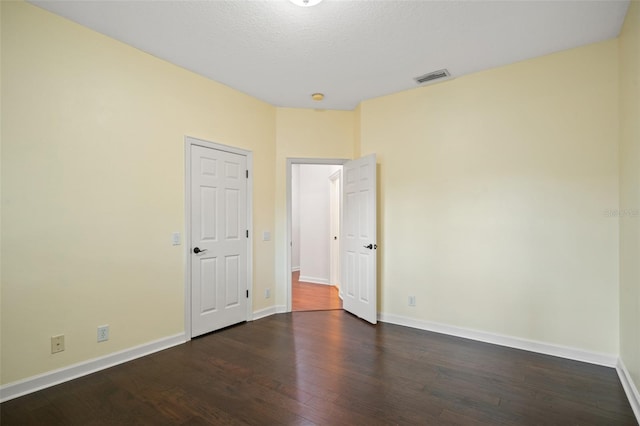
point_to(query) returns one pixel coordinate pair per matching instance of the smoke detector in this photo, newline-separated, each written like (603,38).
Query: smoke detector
(305,3)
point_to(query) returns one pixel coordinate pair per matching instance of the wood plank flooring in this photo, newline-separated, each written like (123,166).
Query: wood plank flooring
(330,368)
(313,297)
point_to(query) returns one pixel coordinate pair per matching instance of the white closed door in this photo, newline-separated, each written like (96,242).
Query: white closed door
(359,244)
(218,239)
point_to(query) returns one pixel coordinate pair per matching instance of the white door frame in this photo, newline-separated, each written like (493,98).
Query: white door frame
(334,220)
(188,143)
(290,162)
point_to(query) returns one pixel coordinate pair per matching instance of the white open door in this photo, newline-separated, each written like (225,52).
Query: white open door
(359,238)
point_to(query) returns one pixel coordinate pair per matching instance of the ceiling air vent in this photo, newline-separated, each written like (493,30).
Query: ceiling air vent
(435,75)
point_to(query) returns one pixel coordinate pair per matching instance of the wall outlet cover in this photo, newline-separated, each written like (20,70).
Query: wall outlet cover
(103,333)
(57,344)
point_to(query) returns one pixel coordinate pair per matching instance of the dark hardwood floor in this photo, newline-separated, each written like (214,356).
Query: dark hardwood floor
(313,297)
(328,367)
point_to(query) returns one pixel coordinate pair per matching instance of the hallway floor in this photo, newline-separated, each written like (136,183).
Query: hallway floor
(313,297)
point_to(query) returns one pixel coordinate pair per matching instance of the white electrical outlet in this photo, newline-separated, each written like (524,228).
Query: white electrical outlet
(103,333)
(267,293)
(57,344)
(412,301)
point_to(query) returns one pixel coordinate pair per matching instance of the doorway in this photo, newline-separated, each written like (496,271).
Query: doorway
(358,247)
(313,215)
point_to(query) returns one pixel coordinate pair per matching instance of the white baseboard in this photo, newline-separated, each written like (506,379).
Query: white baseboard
(629,388)
(608,360)
(313,280)
(43,381)
(295,268)
(271,310)
(51,378)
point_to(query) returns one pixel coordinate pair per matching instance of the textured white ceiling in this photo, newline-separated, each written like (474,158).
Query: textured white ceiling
(349,50)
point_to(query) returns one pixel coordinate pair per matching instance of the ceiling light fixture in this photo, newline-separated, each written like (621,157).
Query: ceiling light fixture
(305,3)
(317,97)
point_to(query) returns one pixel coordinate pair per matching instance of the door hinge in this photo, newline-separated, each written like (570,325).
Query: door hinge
(247,294)
(247,174)
(247,233)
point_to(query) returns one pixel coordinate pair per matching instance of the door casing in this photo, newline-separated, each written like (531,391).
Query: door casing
(290,162)
(335,210)
(189,142)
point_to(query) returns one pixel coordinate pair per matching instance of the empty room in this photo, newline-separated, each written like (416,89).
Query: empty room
(485,245)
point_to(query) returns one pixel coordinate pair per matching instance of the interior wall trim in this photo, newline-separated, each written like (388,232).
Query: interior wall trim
(288,229)
(313,280)
(607,360)
(271,310)
(629,388)
(52,378)
(55,377)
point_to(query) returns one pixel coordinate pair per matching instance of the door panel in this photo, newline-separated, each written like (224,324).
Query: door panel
(363,279)
(359,238)
(232,280)
(208,275)
(208,226)
(218,229)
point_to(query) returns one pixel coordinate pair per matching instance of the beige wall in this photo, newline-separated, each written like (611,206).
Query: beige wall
(630,192)
(304,133)
(1,198)
(92,188)
(493,189)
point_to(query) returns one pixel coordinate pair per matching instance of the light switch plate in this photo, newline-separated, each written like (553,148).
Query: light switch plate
(175,238)
(266,236)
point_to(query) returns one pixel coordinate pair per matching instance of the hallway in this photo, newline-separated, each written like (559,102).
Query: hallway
(313,297)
